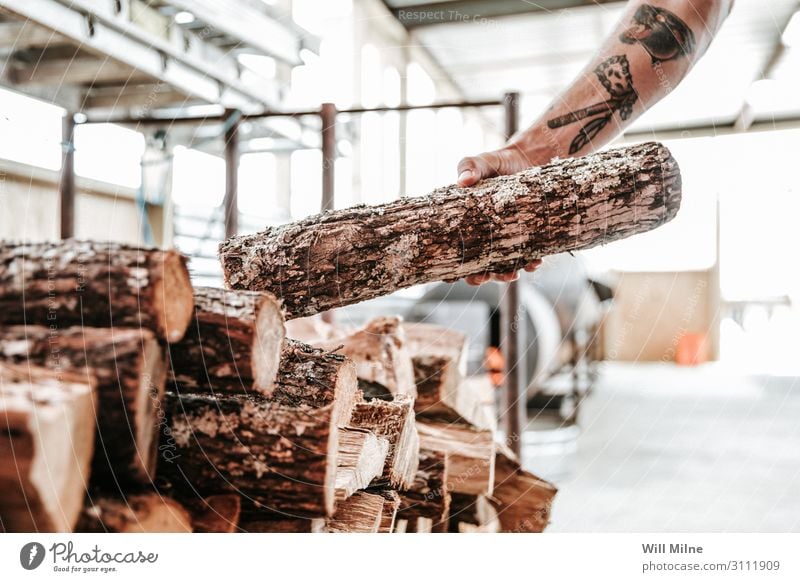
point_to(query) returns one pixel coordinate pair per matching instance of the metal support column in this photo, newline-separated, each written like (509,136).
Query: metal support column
(328,117)
(231,200)
(66,185)
(513,327)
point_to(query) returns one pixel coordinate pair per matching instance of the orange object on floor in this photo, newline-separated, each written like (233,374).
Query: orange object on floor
(494,363)
(692,349)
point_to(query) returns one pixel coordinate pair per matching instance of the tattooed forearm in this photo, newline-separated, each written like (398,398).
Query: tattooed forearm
(615,75)
(660,32)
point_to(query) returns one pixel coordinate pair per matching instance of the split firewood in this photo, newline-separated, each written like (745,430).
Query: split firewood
(233,344)
(362,512)
(46,443)
(522,500)
(472,514)
(426,338)
(391,503)
(129,369)
(420,525)
(311,377)
(380,355)
(400,526)
(283,458)
(394,421)
(311,329)
(215,513)
(429,496)
(470,454)
(361,459)
(97,284)
(285,525)
(144,513)
(342,257)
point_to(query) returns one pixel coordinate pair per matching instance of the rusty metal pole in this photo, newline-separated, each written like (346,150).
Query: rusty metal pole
(231,201)
(512,325)
(66,185)
(327,115)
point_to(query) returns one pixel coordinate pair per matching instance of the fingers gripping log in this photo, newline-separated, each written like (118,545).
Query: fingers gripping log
(346,256)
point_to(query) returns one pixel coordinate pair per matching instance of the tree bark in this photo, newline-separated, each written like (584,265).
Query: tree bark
(311,377)
(470,454)
(129,370)
(282,458)
(98,284)
(380,355)
(361,459)
(522,500)
(393,420)
(233,344)
(46,443)
(144,513)
(342,257)
(429,496)
(472,514)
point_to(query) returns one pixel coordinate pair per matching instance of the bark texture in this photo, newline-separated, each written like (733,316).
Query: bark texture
(97,284)
(342,257)
(129,369)
(522,500)
(46,443)
(281,458)
(394,421)
(233,344)
(429,496)
(144,513)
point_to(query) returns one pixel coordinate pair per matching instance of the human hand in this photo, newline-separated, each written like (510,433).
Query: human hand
(471,170)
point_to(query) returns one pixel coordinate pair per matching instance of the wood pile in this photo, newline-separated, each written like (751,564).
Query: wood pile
(183,409)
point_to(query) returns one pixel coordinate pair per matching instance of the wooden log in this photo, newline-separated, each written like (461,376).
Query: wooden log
(286,525)
(472,514)
(311,377)
(426,338)
(470,453)
(394,421)
(444,395)
(361,458)
(129,369)
(429,496)
(420,525)
(96,284)
(380,355)
(143,513)
(215,513)
(391,503)
(362,512)
(46,443)
(282,458)
(233,344)
(311,329)
(345,256)
(522,500)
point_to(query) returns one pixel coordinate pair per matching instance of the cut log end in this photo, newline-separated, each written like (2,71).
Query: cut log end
(173,297)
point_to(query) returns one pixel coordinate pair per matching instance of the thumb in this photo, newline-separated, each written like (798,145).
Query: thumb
(473,169)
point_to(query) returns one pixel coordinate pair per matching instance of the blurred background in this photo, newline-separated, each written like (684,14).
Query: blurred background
(661,371)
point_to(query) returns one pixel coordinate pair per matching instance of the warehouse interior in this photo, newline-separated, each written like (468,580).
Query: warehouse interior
(659,375)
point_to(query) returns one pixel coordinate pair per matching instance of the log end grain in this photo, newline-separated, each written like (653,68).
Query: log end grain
(173,295)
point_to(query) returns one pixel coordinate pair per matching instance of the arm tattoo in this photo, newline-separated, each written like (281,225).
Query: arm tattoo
(615,75)
(662,34)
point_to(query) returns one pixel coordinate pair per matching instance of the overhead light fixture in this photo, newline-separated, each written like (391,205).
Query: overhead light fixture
(791,35)
(184,17)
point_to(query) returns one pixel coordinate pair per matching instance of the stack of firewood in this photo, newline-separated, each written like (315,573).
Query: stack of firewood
(131,402)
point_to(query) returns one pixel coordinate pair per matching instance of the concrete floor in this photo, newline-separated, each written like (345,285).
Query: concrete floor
(664,449)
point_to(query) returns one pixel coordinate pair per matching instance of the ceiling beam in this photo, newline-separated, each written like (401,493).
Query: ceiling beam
(78,71)
(480,11)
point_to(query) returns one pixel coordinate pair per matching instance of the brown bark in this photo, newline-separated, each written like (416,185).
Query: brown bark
(346,256)
(391,503)
(129,370)
(281,458)
(362,512)
(470,454)
(394,421)
(380,355)
(361,458)
(311,377)
(145,513)
(472,514)
(232,345)
(522,500)
(429,496)
(215,513)
(96,284)
(46,443)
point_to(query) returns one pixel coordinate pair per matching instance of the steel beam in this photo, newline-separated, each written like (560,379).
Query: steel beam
(66,185)
(231,200)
